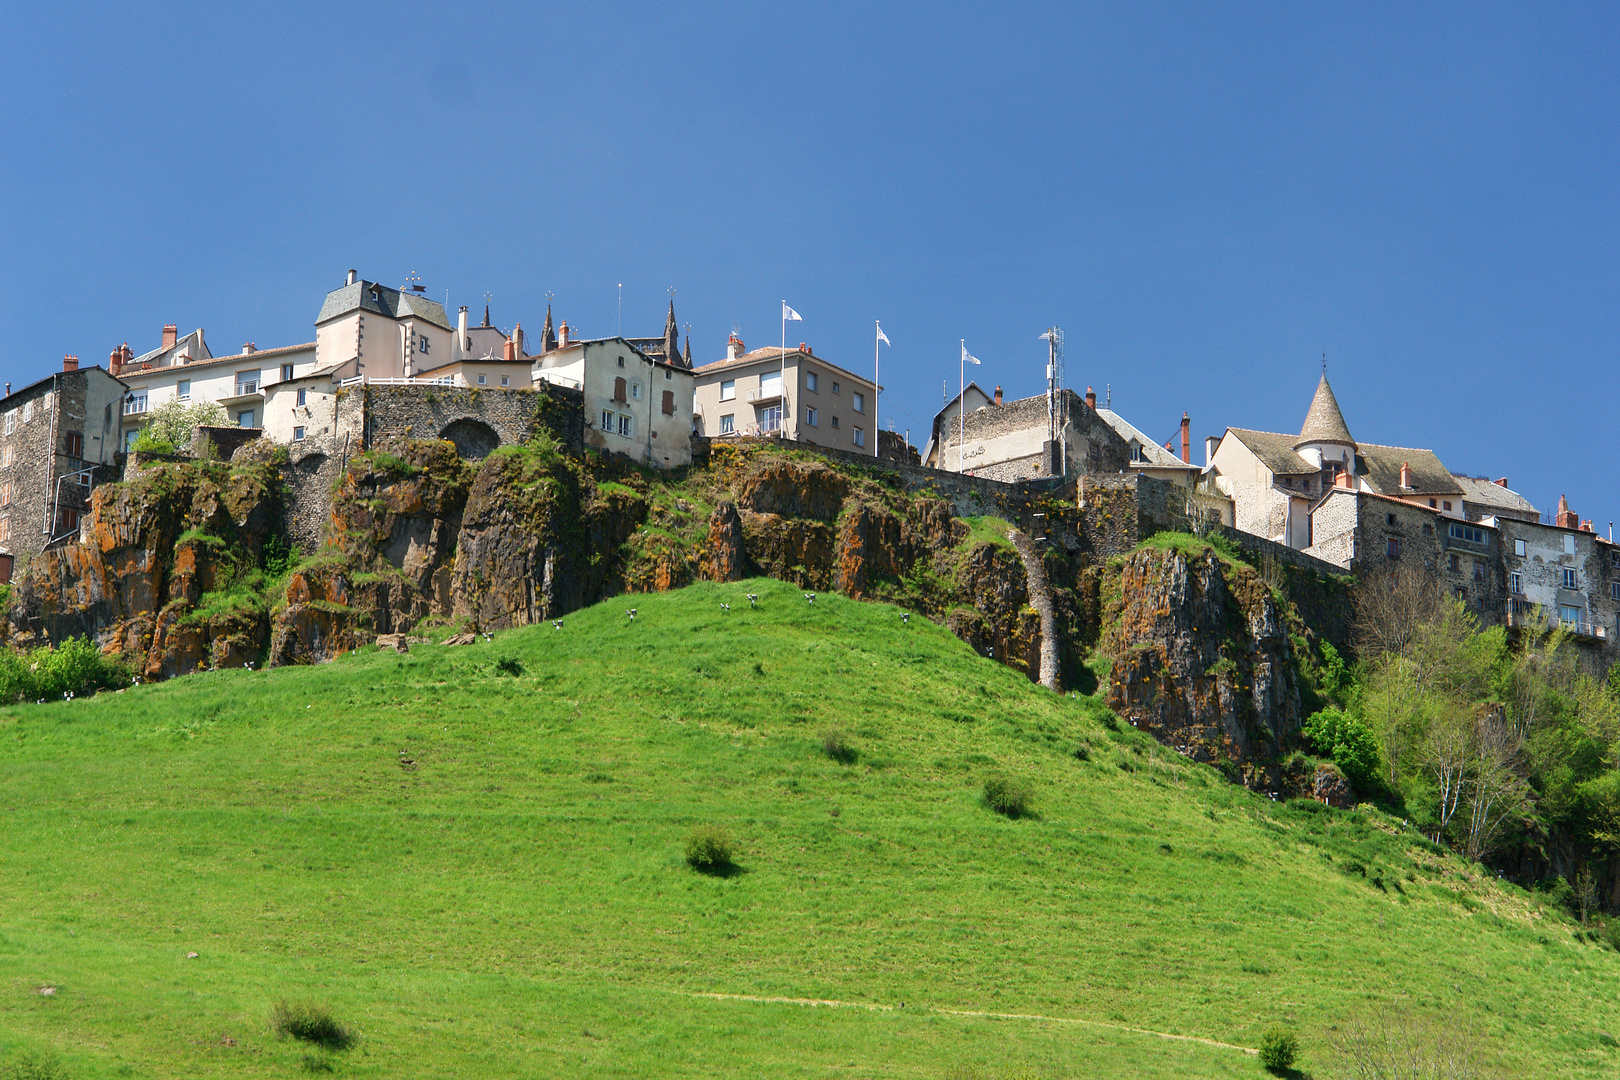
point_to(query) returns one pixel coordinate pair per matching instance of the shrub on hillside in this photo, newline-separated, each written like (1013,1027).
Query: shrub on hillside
(311,1023)
(1278,1048)
(1353,746)
(836,745)
(708,847)
(74,667)
(1010,797)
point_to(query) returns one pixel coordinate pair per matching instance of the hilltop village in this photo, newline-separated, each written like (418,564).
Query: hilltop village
(389,366)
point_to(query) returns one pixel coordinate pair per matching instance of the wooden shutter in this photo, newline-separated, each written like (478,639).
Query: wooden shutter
(669,403)
(618,390)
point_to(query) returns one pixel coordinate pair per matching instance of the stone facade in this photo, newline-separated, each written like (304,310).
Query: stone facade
(1572,576)
(54,428)
(477,421)
(1009,442)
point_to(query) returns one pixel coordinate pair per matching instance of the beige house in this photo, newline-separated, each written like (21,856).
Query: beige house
(634,404)
(819,402)
(388,333)
(1274,480)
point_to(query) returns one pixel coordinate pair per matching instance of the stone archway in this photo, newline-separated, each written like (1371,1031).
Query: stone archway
(474,439)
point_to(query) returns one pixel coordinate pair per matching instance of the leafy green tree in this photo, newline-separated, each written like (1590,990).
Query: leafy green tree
(171,425)
(1353,747)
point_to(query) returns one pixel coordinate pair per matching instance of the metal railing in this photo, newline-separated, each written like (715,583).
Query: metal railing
(764,393)
(1522,613)
(134,406)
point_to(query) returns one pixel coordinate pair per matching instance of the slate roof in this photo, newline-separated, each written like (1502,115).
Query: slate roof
(1152,451)
(381,300)
(1380,466)
(1276,452)
(1479,490)
(1324,423)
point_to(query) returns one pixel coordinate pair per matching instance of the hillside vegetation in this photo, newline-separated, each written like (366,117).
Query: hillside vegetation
(476,858)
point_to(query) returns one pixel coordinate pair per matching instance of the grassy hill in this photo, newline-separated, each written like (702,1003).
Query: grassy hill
(474,856)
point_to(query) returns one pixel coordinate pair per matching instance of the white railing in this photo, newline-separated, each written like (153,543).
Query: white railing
(133,408)
(764,393)
(572,384)
(353,380)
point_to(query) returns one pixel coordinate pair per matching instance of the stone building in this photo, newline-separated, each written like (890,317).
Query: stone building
(968,399)
(633,403)
(821,403)
(1014,440)
(1564,573)
(58,437)
(1147,456)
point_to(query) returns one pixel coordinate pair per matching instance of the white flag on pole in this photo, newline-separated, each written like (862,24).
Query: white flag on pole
(789,315)
(884,337)
(967,357)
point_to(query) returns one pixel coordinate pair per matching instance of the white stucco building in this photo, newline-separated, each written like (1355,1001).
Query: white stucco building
(634,404)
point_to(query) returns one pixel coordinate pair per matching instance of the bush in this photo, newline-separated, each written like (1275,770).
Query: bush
(1278,1048)
(509,665)
(836,745)
(1353,746)
(708,847)
(33,1067)
(74,667)
(1010,797)
(311,1023)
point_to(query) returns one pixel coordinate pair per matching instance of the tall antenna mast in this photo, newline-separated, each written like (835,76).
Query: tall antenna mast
(1057,412)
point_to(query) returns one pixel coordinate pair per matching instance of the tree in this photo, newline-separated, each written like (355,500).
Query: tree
(1394,1043)
(1445,753)
(1495,789)
(1389,609)
(172,425)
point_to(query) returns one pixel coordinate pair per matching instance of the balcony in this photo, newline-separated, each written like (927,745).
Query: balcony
(135,406)
(764,394)
(1524,613)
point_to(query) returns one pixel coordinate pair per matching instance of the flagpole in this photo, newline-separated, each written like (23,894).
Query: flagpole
(961,412)
(877,391)
(783,407)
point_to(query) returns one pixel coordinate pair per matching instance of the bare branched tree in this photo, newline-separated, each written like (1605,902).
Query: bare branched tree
(1495,788)
(1447,752)
(1390,607)
(1395,1043)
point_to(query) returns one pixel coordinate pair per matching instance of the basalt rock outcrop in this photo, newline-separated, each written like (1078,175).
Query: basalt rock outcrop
(1203,660)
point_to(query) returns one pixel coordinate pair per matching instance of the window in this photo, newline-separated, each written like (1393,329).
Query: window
(618,389)
(73,444)
(858,436)
(1394,548)
(1479,571)
(1389,519)
(298,434)
(770,384)
(728,423)
(1518,548)
(728,390)
(506,380)
(247,382)
(1516,583)
(669,403)
(182,390)
(1467,533)
(1431,504)
(303,397)
(859,401)
(810,417)
(1456,563)
(810,381)
(626,426)
(28,411)
(1614,590)
(5,528)
(635,391)
(482,379)
(129,439)
(668,375)
(287,369)
(7,456)
(835,386)
(11,421)
(5,493)
(621,361)
(607,420)
(1569,577)
(1446,505)
(424,348)
(771,419)
(67,520)
(1569,544)
(134,401)
(244,418)
(1569,613)
(835,422)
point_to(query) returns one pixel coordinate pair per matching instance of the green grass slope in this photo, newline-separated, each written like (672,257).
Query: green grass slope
(473,856)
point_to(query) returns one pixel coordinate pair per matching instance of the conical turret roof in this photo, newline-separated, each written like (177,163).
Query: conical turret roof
(1324,423)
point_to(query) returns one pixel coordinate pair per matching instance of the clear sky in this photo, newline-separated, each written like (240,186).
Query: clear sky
(1206,197)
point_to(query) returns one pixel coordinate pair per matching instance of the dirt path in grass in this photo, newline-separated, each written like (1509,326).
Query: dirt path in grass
(873,1007)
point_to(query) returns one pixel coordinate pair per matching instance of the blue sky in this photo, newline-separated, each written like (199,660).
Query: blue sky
(1205,197)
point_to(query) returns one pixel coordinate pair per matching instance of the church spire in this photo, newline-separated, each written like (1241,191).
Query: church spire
(548,338)
(688,357)
(672,343)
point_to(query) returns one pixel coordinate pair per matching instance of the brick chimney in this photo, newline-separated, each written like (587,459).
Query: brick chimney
(804,348)
(121,356)
(1091,398)
(998,395)
(249,349)
(1586,526)
(1406,476)
(508,350)
(1500,481)
(1566,518)
(70,363)
(171,334)
(1186,439)
(1343,479)
(562,335)
(734,347)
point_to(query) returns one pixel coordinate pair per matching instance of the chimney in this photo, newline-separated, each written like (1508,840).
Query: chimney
(115,362)
(249,349)
(1186,439)
(508,349)
(171,334)
(461,328)
(734,347)
(1500,482)
(1210,443)
(1566,518)
(517,342)
(804,348)
(1586,526)
(998,395)
(1406,476)
(1342,478)
(562,335)
(1091,398)
(70,363)
(350,279)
